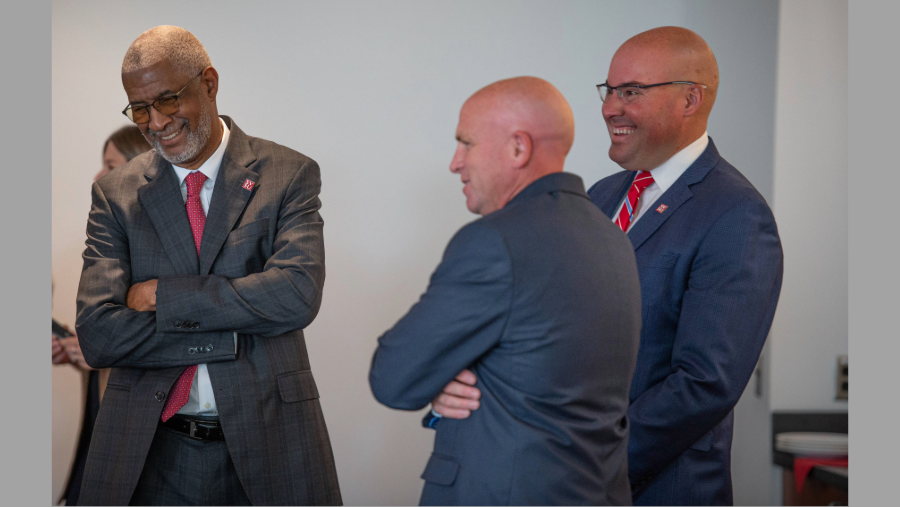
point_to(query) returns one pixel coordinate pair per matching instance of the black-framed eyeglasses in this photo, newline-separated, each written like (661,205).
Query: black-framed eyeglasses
(630,93)
(165,105)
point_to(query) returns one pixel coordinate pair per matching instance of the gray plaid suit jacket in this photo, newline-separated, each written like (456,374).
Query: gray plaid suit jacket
(260,273)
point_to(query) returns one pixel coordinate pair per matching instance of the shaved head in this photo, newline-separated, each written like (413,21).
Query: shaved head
(510,134)
(528,104)
(674,79)
(688,56)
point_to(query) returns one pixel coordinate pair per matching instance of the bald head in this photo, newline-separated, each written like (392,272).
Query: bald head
(176,45)
(685,57)
(675,78)
(510,134)
(528,104)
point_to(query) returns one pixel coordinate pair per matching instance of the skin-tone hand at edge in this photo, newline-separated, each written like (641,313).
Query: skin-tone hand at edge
(142,296)
(59,354)
(67,350)
(459,398)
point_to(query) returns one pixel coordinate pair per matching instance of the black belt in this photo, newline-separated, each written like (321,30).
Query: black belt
(198,429)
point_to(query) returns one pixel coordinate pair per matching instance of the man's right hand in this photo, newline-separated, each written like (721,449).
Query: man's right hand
(459,398)
(59,354)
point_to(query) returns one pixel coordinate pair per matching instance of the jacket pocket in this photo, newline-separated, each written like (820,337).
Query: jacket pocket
(440,470)
(297,386)
(121,379)
(664,261)
(254,229)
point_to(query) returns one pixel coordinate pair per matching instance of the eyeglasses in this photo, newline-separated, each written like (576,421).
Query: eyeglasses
(630,93)
(165,105)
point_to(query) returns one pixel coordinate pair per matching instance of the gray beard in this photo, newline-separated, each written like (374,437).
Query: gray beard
(196,140)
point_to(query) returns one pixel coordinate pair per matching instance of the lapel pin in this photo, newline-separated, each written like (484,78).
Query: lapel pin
(661,208)
(248,184)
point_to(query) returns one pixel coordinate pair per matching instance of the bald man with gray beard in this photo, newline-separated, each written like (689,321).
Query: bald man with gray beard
(539,299)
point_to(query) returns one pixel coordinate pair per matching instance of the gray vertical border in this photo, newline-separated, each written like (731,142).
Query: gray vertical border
(874,180)
(25,37)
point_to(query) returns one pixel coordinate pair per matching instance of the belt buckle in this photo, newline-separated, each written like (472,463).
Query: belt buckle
(193,430)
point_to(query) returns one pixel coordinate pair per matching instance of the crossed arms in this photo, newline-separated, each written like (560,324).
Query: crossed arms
(126,324)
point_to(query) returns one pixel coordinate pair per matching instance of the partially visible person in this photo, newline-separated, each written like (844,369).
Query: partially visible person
(540,299)
(123,145)
(710,264)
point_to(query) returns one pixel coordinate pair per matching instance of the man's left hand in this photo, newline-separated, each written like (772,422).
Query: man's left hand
(142,296)
(459,398)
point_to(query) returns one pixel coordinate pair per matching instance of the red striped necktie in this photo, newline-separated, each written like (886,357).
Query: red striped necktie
(641,181)
(180,392)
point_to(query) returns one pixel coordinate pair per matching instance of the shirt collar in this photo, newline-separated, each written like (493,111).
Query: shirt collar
(670,170)
(211,167)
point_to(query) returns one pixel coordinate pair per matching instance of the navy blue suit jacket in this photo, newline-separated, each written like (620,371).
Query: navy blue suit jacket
(710,266)
(541,301)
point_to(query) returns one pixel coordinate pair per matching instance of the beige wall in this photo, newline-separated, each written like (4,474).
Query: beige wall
(811,164)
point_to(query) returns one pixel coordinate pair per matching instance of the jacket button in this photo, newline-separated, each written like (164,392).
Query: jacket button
(178,324)
(192,350)
(160,396)
(209,348)
(195,325)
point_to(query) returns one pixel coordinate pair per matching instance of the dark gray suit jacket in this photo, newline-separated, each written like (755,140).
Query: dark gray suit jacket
(260,273)
(541,300)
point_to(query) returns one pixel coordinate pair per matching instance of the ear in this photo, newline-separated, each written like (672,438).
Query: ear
(210,83)
(521,147)
(695,95)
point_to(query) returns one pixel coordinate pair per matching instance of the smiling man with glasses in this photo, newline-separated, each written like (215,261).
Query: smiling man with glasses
(203,264)
(709,259)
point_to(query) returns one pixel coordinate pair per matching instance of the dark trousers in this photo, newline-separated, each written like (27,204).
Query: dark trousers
(182,471)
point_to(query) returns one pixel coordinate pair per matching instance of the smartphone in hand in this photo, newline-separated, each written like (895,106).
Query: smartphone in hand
(59,331)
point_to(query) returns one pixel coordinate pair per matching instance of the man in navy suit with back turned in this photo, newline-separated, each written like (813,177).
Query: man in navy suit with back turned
(710,265)
(540,298)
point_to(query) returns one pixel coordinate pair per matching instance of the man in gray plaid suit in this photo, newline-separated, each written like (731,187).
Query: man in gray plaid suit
(204,262)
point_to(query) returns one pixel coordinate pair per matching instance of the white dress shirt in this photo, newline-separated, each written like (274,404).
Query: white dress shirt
(201,401)
(664,177)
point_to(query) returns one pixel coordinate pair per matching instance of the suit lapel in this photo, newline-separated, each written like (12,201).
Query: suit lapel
(650,221)
(674,197)
(161,200)
(229,195)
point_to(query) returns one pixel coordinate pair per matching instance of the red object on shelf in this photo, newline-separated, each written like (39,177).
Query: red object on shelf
(802,467)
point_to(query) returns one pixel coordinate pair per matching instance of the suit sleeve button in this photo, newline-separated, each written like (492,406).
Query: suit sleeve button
(192,350)
(178,324)
(159,395)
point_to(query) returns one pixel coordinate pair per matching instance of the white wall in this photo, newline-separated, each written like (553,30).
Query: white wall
(372,90)
(810,203)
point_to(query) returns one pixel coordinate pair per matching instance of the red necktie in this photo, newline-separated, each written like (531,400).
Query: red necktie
(181,391)
(641,182)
